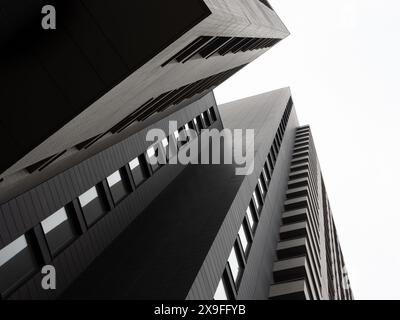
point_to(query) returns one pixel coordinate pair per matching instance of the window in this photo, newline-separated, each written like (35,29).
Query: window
(17,262)
(118,185)
(263,185)
(188,132)
(182,137)
(93,205)
(235,265)
(206,119)
(152,155)
(267,172)
(265,177)
(165,144)
(139,170)
(276,148)
(244,238)
(213,115)
(10,251)
(199,122)
(270,162)
(251,216)
(257,200)
(262,190)
(273,154)
(207,46)
(59,230)
(193,126)
(221,292)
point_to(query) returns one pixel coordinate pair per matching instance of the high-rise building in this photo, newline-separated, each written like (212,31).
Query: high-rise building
(80,191)
(212,234)
(78,101)
(110,69)
(309,262)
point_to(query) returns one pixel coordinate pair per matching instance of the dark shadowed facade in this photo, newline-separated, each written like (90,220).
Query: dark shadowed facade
(78,189)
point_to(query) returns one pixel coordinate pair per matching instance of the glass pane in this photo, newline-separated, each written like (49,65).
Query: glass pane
(220,293)
(54,220)
(243,238)
(12,250)
(165,142)
(250,217)
(256,202)
(114,179)
(151,152)
(234,264)
(88,197)
(261,186)
(134,163)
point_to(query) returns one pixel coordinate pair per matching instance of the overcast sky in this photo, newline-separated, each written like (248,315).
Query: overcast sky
(342,64)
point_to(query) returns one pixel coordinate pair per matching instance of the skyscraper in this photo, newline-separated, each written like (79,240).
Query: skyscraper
(79,188)
(309,262)
(212,234)
(78,101)
(109,68)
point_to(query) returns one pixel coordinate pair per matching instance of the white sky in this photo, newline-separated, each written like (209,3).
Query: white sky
(342,64)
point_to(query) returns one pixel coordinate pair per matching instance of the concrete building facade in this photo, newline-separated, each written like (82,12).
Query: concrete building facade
(78,189)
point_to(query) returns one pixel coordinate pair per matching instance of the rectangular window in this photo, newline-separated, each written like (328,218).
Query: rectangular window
(279,137)
(199,122)
(93,205)
(88,196)
(257,200)
(251,216)
(189,132)
(193,125)
(17,263)
(10,251)
(213,115)
(262,186)
(165,145)
(205,118)
(235,265)
(182,137)
(119,187)
(267,172)
(276,148)
(265,178)
(59,230)
(139,170)
(270,161)
(152,155)
(244,238)
(221,292)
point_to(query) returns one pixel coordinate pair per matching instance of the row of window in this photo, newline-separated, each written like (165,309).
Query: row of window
(21,259)
(159,154)
(172,97)
(229,283)
(207,46)
(152,106)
